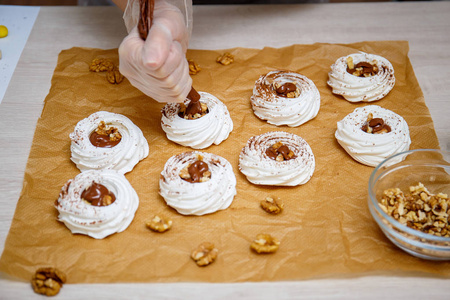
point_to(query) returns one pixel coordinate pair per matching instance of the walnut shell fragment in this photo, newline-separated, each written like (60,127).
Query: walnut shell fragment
(159,224)
(205,254)
(48,281)
(272,205)
(265,243)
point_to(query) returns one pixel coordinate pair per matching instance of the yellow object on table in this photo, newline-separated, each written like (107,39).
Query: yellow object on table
(3,31)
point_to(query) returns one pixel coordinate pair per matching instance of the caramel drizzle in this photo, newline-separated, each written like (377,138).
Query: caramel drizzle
(375,125)
(105,137)
(196,172)
(287,90)
(194,107)
(280,152)
(361,69)
(98,195)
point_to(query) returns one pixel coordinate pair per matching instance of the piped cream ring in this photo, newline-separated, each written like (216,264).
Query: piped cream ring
(277,110)
(212,128)
(97,221)
(371,149)
(260,169)
(132,148)
(198,198)
(361,89)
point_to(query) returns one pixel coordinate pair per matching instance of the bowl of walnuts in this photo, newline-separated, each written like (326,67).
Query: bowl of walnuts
(408,196)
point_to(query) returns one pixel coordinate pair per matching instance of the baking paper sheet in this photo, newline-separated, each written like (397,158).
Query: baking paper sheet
(325,230)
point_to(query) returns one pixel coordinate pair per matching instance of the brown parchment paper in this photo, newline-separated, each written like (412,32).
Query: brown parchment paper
(326,229)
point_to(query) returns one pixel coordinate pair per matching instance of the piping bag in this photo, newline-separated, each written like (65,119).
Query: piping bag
(146,8)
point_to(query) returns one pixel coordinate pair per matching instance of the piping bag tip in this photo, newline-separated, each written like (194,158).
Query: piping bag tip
(193,95)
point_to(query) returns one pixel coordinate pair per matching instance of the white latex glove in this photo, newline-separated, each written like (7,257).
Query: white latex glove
(158,66)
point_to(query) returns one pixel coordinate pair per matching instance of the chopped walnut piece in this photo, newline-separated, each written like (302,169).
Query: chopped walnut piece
(350,63)
(114,76)
(112,132)
(107,200)
(194,68)
(159,224)
(225,59)
(272,205)
(48,281)
(205,254)
(101,65)
(265,243)
(420,209)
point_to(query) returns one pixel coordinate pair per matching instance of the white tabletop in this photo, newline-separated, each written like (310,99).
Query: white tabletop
(424,24)
(19,20)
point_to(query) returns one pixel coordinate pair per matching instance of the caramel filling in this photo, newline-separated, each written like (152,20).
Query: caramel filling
(105,137)
(362,69)
(195,108)
(287,90)
(375,125)
(196,172)
(280,152)
(98,195)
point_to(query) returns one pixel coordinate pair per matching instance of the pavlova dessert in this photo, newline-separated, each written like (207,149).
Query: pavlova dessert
(370,134)
(285,98)
(277,158)
(361,77)
(107,140)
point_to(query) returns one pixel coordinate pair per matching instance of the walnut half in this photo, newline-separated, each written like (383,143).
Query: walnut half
(101,65)
(194,68)
(114,76)
(265,243)
(48,281)
(205,254)
(272,205)
(159,224)
(225,59)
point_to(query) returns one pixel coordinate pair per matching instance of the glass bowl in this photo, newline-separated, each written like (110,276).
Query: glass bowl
(431,168)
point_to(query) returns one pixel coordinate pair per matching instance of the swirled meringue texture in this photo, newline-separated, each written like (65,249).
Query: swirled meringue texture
(371,149)
(212,128)
(361,89)
(132,148)
(260,169)
(198,198)
(97,221)
(277,110)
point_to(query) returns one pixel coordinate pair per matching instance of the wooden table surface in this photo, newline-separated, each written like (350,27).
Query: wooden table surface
(424,24)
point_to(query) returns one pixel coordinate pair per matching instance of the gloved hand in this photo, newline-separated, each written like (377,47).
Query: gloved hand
(158,65)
